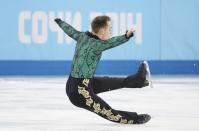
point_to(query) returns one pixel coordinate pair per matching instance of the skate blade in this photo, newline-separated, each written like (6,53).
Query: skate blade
(148,76)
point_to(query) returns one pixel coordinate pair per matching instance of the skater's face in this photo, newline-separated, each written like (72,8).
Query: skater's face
(106,31)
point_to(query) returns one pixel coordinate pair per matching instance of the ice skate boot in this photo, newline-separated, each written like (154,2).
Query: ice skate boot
(142,119)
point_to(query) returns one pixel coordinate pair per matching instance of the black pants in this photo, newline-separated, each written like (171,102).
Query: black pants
(83,93)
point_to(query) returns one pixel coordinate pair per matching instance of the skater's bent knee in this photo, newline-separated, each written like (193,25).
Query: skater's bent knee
(75,100)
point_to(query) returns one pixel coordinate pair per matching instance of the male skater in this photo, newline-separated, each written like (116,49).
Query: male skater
(82,86)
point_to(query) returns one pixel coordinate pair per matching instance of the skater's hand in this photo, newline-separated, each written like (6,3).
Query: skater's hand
(58,20)
(130,32)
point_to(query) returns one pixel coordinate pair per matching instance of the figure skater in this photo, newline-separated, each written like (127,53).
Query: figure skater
(82,86)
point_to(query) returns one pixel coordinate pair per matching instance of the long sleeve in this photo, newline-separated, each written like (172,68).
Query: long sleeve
(68,29)
(111,43)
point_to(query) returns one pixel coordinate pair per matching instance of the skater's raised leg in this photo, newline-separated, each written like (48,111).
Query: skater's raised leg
(104,84)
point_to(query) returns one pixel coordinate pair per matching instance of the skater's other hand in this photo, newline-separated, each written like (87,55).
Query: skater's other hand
(130,32)
(57,20)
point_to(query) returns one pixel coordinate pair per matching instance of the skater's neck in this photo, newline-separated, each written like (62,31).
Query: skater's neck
(97,34)
(92,35)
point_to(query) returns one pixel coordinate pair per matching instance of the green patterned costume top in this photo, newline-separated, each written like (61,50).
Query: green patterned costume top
(88,50)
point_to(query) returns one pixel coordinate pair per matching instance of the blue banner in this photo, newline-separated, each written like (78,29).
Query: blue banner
(165,30)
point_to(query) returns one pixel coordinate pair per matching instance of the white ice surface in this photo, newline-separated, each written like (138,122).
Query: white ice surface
(40,104)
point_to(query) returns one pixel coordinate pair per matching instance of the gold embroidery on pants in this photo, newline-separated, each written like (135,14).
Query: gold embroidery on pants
(110,115)
(85,93)
(85,82)
(96,107)
(89,101)
(130,122)
(81,90)
(103,111)
(124,121)
(114,118)
(118,117)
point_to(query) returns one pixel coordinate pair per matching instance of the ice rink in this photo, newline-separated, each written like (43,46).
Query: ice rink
(40,104)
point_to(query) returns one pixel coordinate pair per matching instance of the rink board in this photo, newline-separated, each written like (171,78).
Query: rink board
(123,67)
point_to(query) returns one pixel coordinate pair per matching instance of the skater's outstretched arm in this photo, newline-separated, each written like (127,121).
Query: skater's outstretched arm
(114,41)
(68,29)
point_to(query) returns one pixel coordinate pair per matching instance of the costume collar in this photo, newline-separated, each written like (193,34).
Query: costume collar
(92,35)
